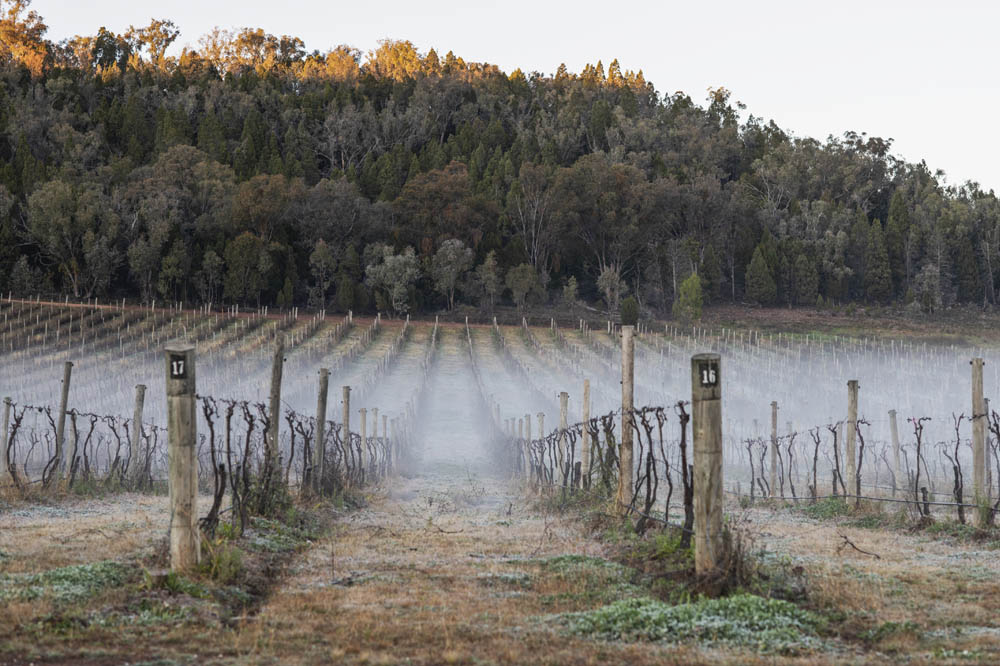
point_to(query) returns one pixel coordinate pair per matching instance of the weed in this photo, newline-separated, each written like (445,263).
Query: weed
(889,629)
(65,584)
(825,509)
(744,620)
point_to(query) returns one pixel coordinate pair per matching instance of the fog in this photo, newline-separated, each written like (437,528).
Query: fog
(522,371)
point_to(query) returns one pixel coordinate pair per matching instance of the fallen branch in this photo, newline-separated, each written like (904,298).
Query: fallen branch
(848,542)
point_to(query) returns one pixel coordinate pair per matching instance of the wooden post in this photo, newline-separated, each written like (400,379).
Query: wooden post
(182,435)
(706,431)
(527,447)
(275,407)
(61,425)
(979,442)
(319,452)
(520,439)
(564,462)
(390,463)
(364,442)
(7,476)
(585,440)
(852,436)
(774,448)
(895,451)
(625,455)
(135,470)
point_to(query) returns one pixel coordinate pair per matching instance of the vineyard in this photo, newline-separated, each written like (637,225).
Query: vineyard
(399,424)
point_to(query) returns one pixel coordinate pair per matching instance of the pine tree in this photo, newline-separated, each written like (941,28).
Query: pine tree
(806,281)
(878,277)
(896,229)
(760,282)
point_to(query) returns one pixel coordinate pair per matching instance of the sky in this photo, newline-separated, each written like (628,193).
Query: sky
(921,73)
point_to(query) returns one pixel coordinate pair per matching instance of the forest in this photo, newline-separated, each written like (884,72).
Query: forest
(252,171)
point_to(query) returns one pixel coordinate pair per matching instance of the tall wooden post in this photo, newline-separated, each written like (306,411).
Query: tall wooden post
(520,440)
(274,409)
(585,440)
(774,448)
(364,442)
(135,470)
(894,430)
(979,442)
(345,417)
(706,431)
(7,476)
(61,424)
(527,447)
(564,461)
(182,434)
(319,451)
(625,454)
(390,462)
(852,437)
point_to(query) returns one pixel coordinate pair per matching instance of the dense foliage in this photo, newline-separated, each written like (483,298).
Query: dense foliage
(252,171)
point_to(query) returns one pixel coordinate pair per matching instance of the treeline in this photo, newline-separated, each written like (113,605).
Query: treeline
(250,170)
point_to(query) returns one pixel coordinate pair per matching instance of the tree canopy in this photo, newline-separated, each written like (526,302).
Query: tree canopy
(254,170)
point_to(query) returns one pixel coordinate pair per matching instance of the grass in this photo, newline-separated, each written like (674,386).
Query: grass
(744,620)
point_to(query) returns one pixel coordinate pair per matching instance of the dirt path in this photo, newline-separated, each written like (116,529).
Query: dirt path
(448,568)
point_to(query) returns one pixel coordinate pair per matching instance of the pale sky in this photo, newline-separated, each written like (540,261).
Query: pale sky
(920,72)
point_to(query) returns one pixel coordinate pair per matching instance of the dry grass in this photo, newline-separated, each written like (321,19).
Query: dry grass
(458,570)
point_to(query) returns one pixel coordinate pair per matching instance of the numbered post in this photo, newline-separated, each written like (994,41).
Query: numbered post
(706,430)
(182,434)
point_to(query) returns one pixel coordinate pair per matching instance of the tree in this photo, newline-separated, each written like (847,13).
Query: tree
(878,278)
(22,36)
(927,285)
(522,281)
(896,239)
(806,281)
(76,229)
(450,263)
(323,267)
(489,276)
(247,264)
(687,305)
(760,283)
(393,274)
(570,291)
(611,285)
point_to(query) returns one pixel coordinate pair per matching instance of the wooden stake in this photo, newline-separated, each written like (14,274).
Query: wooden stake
(135,470)
(706,431)
(585,440)
(182,434)
(852,435)
(319,451)
(61,425)
(979,442)
(625,454)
